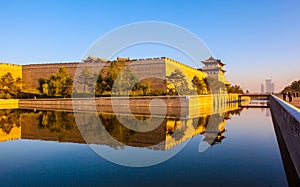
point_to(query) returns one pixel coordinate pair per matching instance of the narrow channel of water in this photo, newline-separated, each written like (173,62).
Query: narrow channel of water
(45,148)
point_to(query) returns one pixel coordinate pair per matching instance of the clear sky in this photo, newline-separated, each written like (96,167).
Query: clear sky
(257,39)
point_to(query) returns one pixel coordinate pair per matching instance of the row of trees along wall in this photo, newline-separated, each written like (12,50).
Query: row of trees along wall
(110,82)
(156,76)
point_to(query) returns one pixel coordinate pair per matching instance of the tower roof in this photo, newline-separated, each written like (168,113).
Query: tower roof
(211,60)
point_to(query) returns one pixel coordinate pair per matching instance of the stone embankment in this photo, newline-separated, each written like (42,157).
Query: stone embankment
(286,120)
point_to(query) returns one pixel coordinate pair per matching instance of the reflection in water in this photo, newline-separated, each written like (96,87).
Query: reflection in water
(256,103)
(56,122)
(10,125)
(61,126)
(250,148)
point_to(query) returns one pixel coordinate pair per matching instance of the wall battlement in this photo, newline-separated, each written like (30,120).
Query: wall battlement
(52,64)
(7,64)
(14,69)
(147,60)
(179,63)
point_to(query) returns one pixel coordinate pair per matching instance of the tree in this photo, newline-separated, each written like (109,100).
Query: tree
(101,86)
(294,87)
(145,87)
(86,78)
(177,84)
(200,85)
(215,86)
(235,89)
(112,73)
(9,86)
(124,82)
(52,85)
(18,86)
(58,84)
(64,82)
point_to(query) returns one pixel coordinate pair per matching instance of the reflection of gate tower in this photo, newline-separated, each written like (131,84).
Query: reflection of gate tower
(214,68)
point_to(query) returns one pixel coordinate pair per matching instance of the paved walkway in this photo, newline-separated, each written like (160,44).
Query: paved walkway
(295,102)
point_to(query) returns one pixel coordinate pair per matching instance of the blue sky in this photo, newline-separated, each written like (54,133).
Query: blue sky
(256,39)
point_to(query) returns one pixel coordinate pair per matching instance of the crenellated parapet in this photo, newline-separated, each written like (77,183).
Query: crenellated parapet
(7,64)
(52,64)
(14,69)
(180,64)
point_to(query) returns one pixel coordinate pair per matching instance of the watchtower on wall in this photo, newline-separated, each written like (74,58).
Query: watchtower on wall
(214,69)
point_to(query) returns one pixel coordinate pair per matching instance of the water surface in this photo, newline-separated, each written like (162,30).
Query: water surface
(45,148)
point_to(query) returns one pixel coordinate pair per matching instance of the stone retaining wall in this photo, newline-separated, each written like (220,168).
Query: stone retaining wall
(286,119)
(176,106)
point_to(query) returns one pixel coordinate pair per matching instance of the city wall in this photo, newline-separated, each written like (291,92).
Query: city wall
(150,69)
(144,69)
(189,72)
(32,73)
(154,70)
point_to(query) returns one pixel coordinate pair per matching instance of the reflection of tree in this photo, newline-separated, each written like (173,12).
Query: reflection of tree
(218,139)
(116,129)
(57,121)
(215,126)
(178,130)
(9,119)
(234,112)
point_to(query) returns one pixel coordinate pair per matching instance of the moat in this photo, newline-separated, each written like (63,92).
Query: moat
(235,148)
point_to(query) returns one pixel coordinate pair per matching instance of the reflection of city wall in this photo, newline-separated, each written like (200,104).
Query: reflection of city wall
(14,134)
(50,126)
(212,104)
(10,125)
(61,126)
(188,115)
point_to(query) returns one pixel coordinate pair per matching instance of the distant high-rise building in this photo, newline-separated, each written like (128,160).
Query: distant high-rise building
(269,86)
(272,87)
(262,88)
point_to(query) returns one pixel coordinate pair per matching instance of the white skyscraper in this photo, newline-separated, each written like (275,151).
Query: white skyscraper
(262,88)
(269,86)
